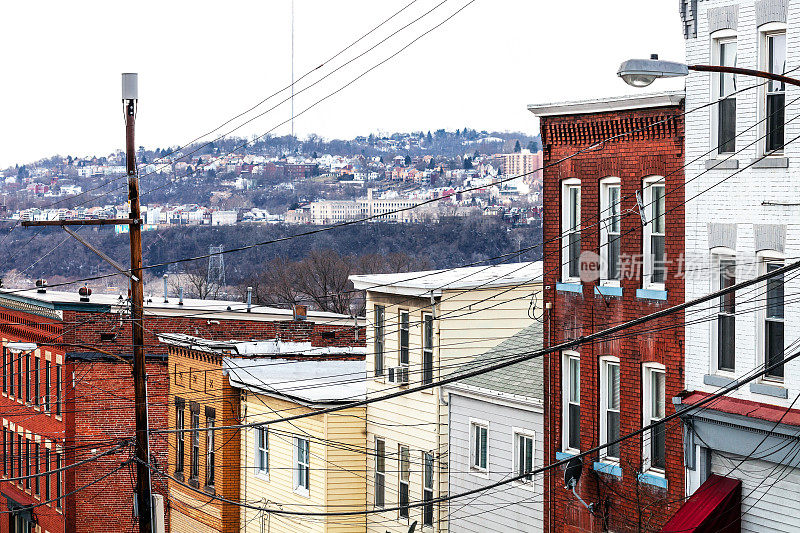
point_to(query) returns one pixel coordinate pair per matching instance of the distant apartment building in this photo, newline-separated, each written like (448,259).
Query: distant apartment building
(523,162)
(223,218)
(421,324)
(389,209)
(224,383)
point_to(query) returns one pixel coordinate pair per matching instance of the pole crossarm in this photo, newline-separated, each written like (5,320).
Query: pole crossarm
(745,72)
(83,222)
(100,254)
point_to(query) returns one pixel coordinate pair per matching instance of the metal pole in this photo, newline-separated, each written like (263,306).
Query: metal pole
(137,315)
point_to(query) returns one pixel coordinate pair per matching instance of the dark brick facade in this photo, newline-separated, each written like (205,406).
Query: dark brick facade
(623,502)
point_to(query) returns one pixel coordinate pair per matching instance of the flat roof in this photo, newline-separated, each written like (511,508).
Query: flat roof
(307,382)
(609,104)
(434,282)
(258,348)
(155,305)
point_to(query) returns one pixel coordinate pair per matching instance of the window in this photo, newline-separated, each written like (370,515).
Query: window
(5,369)
(571,222)
(609,407)
(5,452)
(58,390)
(35,381)
(724,87)
(180,436)
(427,348)
(262,450)
(11,453)
(726,315)
(19,376)
(47,385)
(36,468)
(571,386)
(405,474)
(427,489)
(775,59)
(47,474)
(27,463)
(380,472)
(523,455)
(773,324)
(27,377)
(654,231)
(302,465)
(480,445)
(610,228)
(195,453)
(59,481)
(20,458)
(403,338)
(380,341)
(211,451)
(654,411)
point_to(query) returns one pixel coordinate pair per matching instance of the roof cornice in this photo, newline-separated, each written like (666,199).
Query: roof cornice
(608,105)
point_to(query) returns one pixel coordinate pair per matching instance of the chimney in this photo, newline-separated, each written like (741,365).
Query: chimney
(166,300)
(41,286)
(180,295)
(249,298)
(84,293)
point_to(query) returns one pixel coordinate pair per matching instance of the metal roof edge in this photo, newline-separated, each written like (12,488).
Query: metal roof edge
(608,105)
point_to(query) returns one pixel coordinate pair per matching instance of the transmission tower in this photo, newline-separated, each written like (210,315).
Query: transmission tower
(216,266)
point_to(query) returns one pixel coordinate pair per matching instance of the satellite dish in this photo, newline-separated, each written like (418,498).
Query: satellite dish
(573,472)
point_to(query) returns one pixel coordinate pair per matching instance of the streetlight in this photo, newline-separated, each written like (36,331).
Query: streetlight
(20,347)
(643,72)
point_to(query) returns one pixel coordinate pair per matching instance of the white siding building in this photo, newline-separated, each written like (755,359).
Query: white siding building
(742,220)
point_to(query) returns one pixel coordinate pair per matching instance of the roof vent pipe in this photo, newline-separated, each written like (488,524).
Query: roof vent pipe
(180,295)
(84,293)
(249,298)
(41,286)
(166,300)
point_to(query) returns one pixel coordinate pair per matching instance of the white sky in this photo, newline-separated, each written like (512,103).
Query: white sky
(202,62)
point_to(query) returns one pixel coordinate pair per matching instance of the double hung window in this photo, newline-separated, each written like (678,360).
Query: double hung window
(571,388)
(609,407)
(654,410)
(480,445)
(724,89)
(610,226)
(571,222)
(726,315)
(654,234)
(379,341)
(262,450)
(302,467)
(773,324)
(775,63)
(380,472)
(523,456)
(427,489)
(404,459)
(427,348)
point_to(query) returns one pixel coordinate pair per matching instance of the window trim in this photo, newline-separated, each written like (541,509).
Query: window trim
(718,38)
(647,369)
(261,470)
(717,254)
(476,469)
(528,434)
(428,508)
(427,371)
(403,351)
(180,437)
(605,361)
(566,355)
(763,258)
(764,32)
(211,451)
(605,215)
(381,473)
(647,233)
(403,508)
(566,231)
(299,468)
(379,340)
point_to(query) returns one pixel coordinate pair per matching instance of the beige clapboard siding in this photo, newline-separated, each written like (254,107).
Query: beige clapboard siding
(337,475)
(459,335)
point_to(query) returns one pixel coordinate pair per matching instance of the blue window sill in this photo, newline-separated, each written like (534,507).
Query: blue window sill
(650,294)
(775,391)
(608,468)
(608,291)
(569,287)
(560,456)
(651,479)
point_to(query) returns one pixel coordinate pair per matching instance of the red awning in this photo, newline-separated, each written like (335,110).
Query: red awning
(715,507)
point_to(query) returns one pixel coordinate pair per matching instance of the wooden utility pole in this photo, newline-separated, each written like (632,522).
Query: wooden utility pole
(134,221)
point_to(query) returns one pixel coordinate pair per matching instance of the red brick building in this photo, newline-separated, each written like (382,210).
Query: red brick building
(603,266)
(71,400)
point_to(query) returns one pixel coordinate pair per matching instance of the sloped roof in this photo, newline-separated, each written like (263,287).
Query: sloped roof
(524,379)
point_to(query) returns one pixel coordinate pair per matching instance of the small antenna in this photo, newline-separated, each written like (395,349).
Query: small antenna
(572,474)
(640,203)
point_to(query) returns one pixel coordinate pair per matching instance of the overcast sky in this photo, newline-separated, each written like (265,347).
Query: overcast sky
(200,63)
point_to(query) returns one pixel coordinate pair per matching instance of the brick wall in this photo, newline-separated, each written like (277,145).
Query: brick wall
(626,504)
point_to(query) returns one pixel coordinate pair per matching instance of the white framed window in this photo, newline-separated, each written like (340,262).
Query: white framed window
(479,441)
(653,410)
(609,407)
(524,447)
(427,348)
(262,451)
(571,390)
(427,489)
(404,469)
(723,330)
(379,326)
(403,337)
(723,131)
(571,229)
(302,466)
(770,334)
(772,58)
(380,472)
(610,226)
(654,232)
